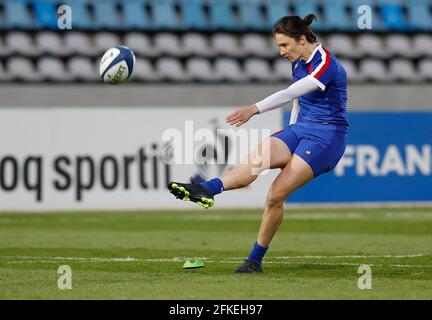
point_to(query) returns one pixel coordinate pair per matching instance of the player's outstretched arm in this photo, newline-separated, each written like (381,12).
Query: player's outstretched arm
(297,89)
(242,115)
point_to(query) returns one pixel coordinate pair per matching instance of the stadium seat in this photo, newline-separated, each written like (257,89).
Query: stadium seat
(168,44)
(81,18)
(400,45)
(16,15)
(52,69)
(141,44)
(371,45)
(222,15)
(403,70)
(342,46)
(4,50)
(83,69)
(135,15)
(258,45)
(22,69)
(164,14)
(79,43)
(258,70)
(200,69)
(353,75)
(105,15)
(392,17)
(49,42)
(4,75)
(193,15)
(144,71)
(425,69)
(419,15)
(374,69)
(171,69)
(250,17)
(21,43)
(196,44)
(226,44)
(228,69)
(304,7)
(45,12)
(105,40)
(282,70)
(336,17)
(422,44)
(275,9)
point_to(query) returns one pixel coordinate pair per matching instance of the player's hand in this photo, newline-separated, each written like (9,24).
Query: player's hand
(242,115)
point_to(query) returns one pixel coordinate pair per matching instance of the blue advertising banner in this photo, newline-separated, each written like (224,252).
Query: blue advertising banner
(388,158)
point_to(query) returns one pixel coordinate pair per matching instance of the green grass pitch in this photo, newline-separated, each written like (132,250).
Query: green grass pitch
(139,255)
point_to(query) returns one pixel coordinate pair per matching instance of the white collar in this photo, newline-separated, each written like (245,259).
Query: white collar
(313,52)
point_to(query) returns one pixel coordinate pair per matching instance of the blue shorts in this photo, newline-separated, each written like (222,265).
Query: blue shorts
(320,146)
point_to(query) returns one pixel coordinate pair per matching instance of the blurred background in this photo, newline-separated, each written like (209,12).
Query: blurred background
(214,43)
(204,54)
(206,41)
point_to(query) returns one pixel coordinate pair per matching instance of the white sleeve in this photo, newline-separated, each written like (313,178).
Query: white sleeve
(294,111)
(297,89)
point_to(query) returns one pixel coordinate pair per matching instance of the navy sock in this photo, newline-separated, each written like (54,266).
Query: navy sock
(215,186)
(257,253)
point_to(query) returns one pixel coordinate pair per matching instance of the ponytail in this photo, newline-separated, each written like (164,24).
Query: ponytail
(308,19)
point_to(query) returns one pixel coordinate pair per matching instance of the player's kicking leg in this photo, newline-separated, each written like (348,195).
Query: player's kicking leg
(271,153)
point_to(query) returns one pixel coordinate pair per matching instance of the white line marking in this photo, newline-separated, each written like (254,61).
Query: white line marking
(40,259)
(128,259)
(265,262)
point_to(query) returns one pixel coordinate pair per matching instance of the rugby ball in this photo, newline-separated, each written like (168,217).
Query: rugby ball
(116,65)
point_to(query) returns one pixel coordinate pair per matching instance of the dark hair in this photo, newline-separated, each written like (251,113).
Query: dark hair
(295,27)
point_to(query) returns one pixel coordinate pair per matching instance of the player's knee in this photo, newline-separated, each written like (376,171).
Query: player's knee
(275,200)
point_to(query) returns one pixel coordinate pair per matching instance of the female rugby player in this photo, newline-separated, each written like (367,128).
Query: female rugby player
(312,144)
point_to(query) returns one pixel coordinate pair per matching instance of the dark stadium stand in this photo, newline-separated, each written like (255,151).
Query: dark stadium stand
(209,40)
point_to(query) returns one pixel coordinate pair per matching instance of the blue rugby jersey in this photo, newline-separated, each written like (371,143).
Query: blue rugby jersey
(328,105)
